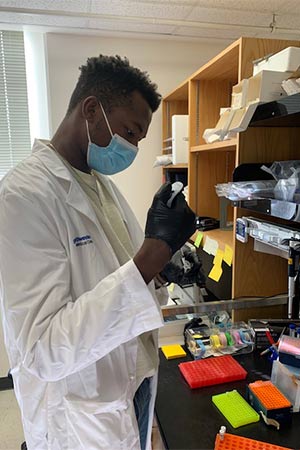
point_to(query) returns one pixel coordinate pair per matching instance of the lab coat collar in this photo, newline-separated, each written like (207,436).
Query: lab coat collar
(75,196)
(53,162)
(50,159)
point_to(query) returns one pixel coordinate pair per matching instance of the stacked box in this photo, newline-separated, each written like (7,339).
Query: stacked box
(267,399)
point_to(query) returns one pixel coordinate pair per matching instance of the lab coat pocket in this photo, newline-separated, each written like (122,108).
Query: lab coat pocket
(97,425)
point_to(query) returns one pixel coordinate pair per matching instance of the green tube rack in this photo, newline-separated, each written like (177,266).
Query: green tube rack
(235,409)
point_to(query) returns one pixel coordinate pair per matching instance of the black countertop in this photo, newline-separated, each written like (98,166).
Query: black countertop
(188,420)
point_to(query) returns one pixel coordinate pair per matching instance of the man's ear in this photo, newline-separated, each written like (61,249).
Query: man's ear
(90,108)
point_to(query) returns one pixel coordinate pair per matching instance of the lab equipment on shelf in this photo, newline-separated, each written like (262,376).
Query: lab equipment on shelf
(278,197)
(246,189)
(278,240)
(275,235)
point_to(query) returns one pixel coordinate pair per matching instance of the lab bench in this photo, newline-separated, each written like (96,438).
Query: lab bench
(188,419)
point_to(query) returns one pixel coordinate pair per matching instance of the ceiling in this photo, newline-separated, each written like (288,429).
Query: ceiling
(220,20)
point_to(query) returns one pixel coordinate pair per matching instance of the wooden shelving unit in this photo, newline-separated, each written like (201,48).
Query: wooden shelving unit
(222,146)
(175,166)
(175,103)
(201,96)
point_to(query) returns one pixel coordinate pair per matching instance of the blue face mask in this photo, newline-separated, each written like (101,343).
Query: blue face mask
(114,158)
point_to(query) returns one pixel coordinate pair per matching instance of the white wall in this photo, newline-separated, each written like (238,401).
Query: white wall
(168,64)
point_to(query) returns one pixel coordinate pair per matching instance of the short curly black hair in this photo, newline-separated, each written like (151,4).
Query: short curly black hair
(112,80)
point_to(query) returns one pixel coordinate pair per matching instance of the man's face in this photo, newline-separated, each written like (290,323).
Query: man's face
(129,121)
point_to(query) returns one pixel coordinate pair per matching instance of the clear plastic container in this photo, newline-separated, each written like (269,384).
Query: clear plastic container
(287,379)
(222,339)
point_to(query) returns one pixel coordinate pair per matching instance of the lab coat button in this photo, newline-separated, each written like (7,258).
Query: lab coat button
(131,377)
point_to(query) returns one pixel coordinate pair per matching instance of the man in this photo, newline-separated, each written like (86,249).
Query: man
(78,301)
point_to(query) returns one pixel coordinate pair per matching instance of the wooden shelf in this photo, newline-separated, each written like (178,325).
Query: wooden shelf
(225,146)
(223,67)
(175,166)
(167,150)
(220,235)
(180,93)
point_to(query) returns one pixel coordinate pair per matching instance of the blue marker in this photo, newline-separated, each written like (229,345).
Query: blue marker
(298,332)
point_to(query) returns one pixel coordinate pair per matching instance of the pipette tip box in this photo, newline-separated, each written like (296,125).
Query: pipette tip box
(267,399)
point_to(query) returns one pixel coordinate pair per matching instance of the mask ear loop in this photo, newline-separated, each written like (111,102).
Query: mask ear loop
(107,123)
(88,131)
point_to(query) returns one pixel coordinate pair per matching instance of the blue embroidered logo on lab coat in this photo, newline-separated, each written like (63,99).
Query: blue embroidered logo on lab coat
(82,240)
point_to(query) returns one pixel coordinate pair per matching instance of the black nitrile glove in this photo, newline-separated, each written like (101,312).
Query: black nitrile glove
(185,268)
(174,225)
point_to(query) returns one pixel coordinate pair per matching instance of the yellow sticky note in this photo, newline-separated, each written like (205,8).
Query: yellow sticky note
(173,351)
(215,273)
(171,287)
(228,254)
(218,258)
(198,239)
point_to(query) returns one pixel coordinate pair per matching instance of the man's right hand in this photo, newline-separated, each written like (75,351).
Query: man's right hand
(167,230)
(173,225)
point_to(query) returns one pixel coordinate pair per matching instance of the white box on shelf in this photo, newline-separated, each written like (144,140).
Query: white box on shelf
(180,139)
(220,132)
(287,60)
(266,86)
(242,118)
(239,94)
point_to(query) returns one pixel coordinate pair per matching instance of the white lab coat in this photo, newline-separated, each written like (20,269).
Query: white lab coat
(71,314)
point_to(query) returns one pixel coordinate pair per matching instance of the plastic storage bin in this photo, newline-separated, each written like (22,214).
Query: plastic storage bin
(180,140)
(266,86)
(215,340)
(288,60)
(287,379)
